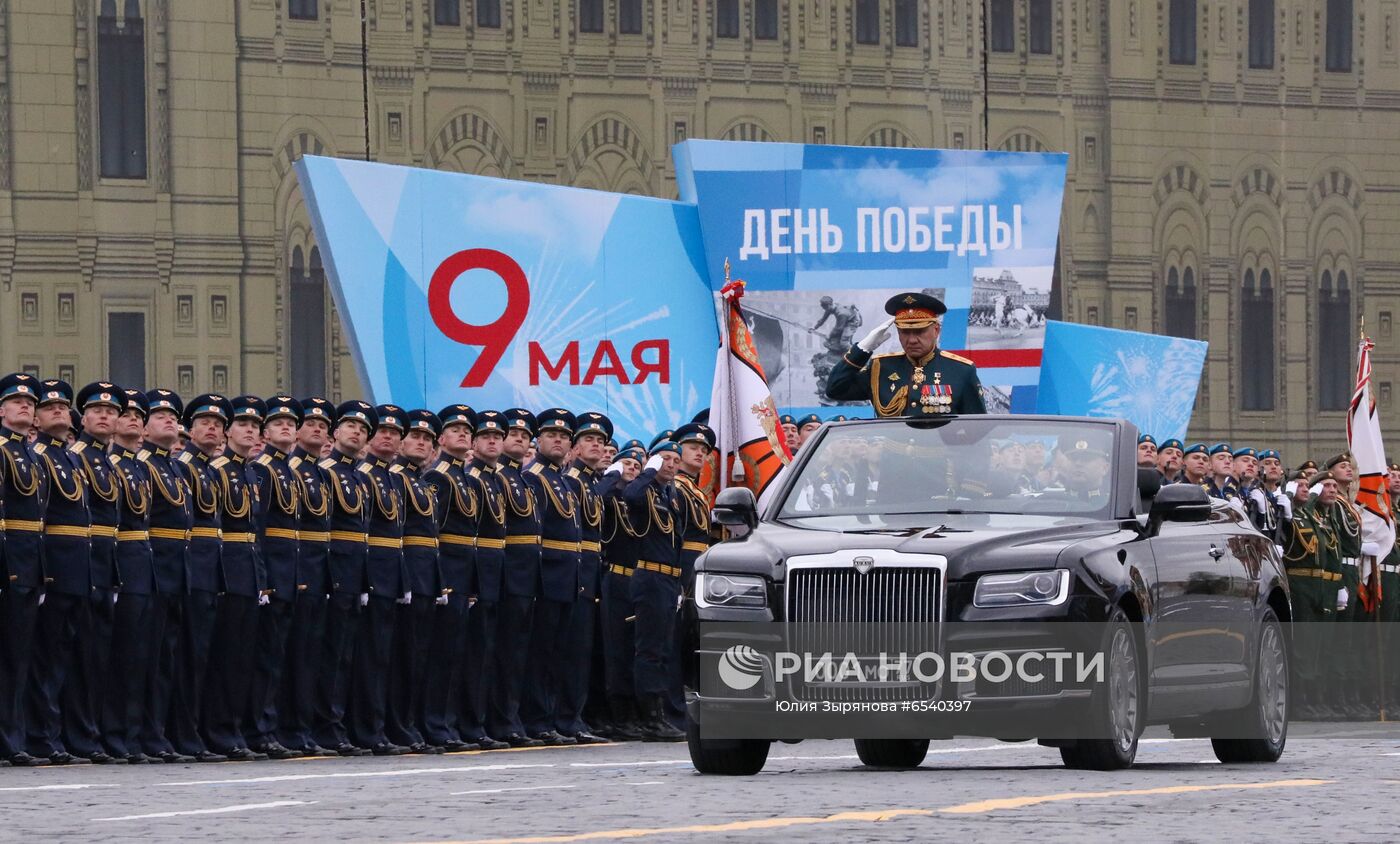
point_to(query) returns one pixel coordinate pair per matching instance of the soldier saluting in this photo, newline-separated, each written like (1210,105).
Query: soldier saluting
(922,379)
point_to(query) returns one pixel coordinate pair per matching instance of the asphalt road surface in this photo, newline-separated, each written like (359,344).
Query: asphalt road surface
(1323,789)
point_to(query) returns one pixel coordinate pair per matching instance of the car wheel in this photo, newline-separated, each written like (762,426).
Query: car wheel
(1263,724)
(726,757)
(892,753)
(1116,709)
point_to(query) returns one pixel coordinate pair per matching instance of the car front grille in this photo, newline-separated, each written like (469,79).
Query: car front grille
(888,610)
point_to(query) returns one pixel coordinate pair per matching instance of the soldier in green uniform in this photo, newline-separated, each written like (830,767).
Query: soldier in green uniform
(1350,652)
(1313,564)
(1390,603)
(918,381)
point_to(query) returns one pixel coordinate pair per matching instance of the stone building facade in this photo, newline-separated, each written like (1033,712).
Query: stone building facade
(1231,174)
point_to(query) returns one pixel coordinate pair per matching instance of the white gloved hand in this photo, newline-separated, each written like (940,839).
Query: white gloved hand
(614,469)
(364,599)
(654,463)
(115,596)
(876,338)
(1343,598)
(264,600)
(406,599)
(440,600)
(42,596)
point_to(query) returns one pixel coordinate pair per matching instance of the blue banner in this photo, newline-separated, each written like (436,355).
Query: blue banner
(497,293)
(1148,379)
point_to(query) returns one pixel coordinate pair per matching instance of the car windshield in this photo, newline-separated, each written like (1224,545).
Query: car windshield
(969,465)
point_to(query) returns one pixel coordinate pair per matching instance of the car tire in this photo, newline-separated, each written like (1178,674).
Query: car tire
(726,757)
(1117,708)
(892,753)
(1265,718)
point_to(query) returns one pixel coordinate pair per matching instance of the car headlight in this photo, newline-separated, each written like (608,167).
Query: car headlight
(1022,589)
(730,590)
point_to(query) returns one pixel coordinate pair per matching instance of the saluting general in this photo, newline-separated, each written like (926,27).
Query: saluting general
(922,379)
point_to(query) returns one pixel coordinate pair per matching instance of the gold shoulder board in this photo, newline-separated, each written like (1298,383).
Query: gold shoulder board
(395,469)
(294,462)
(143,455)
(218,462)
(114,460)
(328,463)
(956,358)
(441,467)
(264,460)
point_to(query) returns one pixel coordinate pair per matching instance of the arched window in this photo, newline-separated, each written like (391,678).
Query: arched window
(121,87)
(1181,302)
(1257,341)
(1334,347)
(307,324)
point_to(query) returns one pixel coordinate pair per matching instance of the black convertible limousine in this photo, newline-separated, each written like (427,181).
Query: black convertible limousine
(976,534)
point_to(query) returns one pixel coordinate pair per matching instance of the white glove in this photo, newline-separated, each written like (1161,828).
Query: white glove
(264,600)
(614,469)
(406,599)
(364,599)
(654,463)
(41,598)
(115,596)
(440,600)
(876,338)
(1342,599)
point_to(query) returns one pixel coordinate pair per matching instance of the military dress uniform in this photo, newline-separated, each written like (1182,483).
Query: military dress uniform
(26,494)
(694,534)
(1390,609)
(657,513)
(413,622)
(348,557)
(1314,575)
(479,681)
(228,684)
(1230,489)
(897,385)
(296,710)
(81,700)
(1353,659)
(519,586)
(619,560)
(458,507)
(279,499)
(579,664)
(206,582)
(67,586)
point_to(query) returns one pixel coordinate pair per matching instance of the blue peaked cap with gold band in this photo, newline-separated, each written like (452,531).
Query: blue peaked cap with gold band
(521,419)
(251,408)
(392,416)
(136,400)
(489,421)
(425,421)
(555,419)
(357,411)
(100,393)
(315,407)
(593,422)
(282,406)
(55,390)
(695,432)
(19,384)
(161,399)
(208,404)
(457,414)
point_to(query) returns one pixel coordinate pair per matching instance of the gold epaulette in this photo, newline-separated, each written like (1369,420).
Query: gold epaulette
(395,469)
(887,355)
(218,462)
(143,455)
(186,457)
(264,459)
(535,469)
(956,358)
(573,472)
(365,467)
(77,447)
(294,462)
(474,472)
(442,467)
(114,460)
(328,463)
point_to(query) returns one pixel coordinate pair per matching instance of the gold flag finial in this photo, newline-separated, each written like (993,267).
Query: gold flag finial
(726,270)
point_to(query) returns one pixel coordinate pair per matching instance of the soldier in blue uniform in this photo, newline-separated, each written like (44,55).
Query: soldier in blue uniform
(458,508)
(478,687)
(788,424)
(413,621)
(696,441)
(81,699)
(172,516)
(350,505)
(592,431)
(1146,451)
(655,512)
(228,681)
(1221,482)
(920,380)
(520,583)
(806,427)
(1169,455)
(619,559)
(206,419)
(1195,465)
(386,585)
(279,504)
(296,710)
(67,581)
(133,648)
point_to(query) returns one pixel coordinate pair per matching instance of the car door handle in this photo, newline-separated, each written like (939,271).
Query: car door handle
(1216,553)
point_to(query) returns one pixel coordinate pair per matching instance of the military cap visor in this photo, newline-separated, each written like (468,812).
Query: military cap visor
(457,414)
(248,408)
(208,405)
(55,390)
(159,399)
(915,310)
(695,433)
(283,406)
(490,422)
(593,423)
(556,419)
(391,416)
(19,384)
(100,393)
(317,408)
(1082,450)
(357,411)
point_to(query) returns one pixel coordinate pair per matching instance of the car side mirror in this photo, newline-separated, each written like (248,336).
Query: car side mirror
(1149,483)
(736,506)
(1180,503)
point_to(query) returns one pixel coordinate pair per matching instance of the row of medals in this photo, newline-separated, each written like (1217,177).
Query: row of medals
(936,397)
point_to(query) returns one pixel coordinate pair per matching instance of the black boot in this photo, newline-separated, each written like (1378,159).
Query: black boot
(625,726)
(655,727)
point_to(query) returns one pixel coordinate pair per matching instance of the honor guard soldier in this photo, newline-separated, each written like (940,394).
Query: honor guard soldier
(479,683)
(413,621)
(172,516)
(697,441)
(619,559)
(1390,590)
(922,379)
(67,581)
(387,585)
(228,682)
(458,505)
(25,493)
(355,422)
(520,582)
(81,698)
(560,535)
(296,710)
(1349,667)
(279,517)
(133,647)
(1314,576)
(655,510)
(592,432)
(206,418)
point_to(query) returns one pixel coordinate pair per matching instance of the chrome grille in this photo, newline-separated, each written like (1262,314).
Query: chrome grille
(890,610)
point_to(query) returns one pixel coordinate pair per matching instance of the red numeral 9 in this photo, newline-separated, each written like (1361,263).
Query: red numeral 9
(494,337)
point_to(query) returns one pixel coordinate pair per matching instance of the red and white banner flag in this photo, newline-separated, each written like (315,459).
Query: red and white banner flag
(1373,491)
(751,445)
